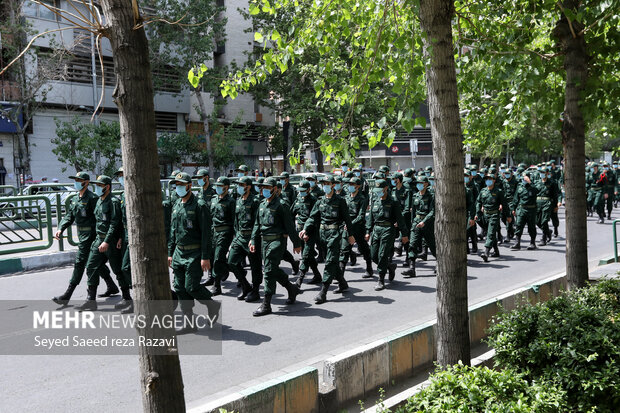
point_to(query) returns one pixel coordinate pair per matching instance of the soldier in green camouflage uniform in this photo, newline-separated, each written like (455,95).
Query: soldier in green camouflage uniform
(384,214)
(365,187)
(523,207)
(126,303)
(328,215)
(492,203)
(472,235)
(609,189)
(223,218)
(207,193)
(109,229)
(288,190)
(81,211)
(357,204)
(546,202)
(401,194)
(470,205)
(510,188)
(301,212)
(287,256)
(273,222)
(422,222)
(556,176)
(172,195)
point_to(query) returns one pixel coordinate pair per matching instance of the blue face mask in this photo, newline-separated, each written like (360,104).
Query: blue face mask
(606,169)
(351,188)
(312,183)
(219,190)
(241,190)
(538,168)
(358,174)
(337,187)
(327,189)
(201,182)
(78,185)
(121,180)
(98,190)
(419,186)
(282,182)
(345,169)
(507,175)
(502,170)
(393,182)
(467,179)
(256,189)
(488,182)
(267,193)
(474,173)
(432,182)
(303,193)
(181,191)
(427,174)
(240,174)
(378,191)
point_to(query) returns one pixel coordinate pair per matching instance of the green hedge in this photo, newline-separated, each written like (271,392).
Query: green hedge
(478,389)
(572,342)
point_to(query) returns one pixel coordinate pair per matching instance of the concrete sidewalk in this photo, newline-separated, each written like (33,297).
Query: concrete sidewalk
(35,260)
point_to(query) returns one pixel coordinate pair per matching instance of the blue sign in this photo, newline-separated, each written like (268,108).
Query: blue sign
(6,125)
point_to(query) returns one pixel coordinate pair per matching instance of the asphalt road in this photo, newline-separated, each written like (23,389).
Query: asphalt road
(255,349)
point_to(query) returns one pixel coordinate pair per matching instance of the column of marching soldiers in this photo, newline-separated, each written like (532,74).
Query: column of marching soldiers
(224,225)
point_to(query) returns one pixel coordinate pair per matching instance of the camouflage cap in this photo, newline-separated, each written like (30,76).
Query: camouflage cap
(355,181)
(119,171)
(349,174)
(466,172)
(421,179)
(245,180)
(384,168)
(174,174)
(329,179)
(428,168)
(397,175)
(304,185)
(81,175)
(222,181)
(243,168)
(285,175)
(381,183)
(408,172)
(182,177)
(103,180)
(271,181)
(201,173)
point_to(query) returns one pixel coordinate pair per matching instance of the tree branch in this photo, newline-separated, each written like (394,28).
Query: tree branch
(570,24)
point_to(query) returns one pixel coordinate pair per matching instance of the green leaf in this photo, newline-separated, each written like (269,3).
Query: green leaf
(258,37)
(254,9)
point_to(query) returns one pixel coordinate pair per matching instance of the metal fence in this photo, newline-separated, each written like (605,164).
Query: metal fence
(25,220)
(616,242)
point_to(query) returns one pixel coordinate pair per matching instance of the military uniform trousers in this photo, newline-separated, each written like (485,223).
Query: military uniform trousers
(273,247)
(221,244)
(526,215)
(543,215)
(86,238)
(187,275)
(492,220)
(346,249)
(382,247)
(97,260)
(308,252)
(332,238)
(426,233)
(239,249)
(126,262)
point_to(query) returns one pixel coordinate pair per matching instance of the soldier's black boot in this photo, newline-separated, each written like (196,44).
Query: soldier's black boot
(601,219)
(91,300)
(368,273)
(500,237)
(322,295)
(246,288)
(265,307)
(293,292)
(485,254)
(353,258)
(495,251)
(391,271)
(517,245)
(316,279)
(295,265)
(210,278)
(342,283)
(532,245)
(424,255)
(111,289)
(217,288)
(253,295)
(64,298)
(300,279)
(189,323)
(126,302)
(474,244)
(410,273)
(543,242)
(381,283)
(399,250)
(608,214)
(555,232)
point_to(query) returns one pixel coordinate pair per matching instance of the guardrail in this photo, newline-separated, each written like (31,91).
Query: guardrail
(25,219)
(616,242)
(8,190)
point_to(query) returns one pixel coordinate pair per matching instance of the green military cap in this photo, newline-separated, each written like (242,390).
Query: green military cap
(81,175)
(397,175)
(488,175)
(344,162)
(520,170)
(337,178)
(285,175)
(466,171)
(174,174)
(552,161)
(483,171)
(345,180)
(381,183)
(182,177)
(379,175)
(594,165)
(245,180)
(408,172)
(492,171)
(355,181)
(222,181)
(493,165)
(503,165)
(103,180)
(544,169)
(605,164)
(421,179)
(271,181)
(349,174)
(331,179)
(259,180)
(384,168)
(428,168)
(119,171)
(473,167)
(528,174)
(201,173)
(243,168)
(522,165)
(357,168)
(311,177)
(304,185)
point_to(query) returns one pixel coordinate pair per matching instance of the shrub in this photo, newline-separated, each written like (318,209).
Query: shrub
(572,341)
(462,388)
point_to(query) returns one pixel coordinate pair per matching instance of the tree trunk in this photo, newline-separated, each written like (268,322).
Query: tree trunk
(448,156)
(161,380)
(205,122)
(319,158)
(573,139)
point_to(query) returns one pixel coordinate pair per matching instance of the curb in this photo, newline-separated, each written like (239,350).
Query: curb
(10,266)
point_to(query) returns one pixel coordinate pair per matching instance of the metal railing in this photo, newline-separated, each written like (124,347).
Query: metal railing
(8,190)
(616,242)
(23,220)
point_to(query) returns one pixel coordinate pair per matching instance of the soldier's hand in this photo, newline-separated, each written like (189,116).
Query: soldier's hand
(420,225)
(103,247)
(367,237)
(297,250)
(405,240)
(57,235)
(351,240)
(302,234)
(205,265)
(306,237)
(252,248)
(509,220)
(476,218)
(555,210)
(119,244)
(606,196)
(472,222)
(169,261)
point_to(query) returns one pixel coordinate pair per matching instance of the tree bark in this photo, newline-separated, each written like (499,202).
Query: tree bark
(448,156)
(205,122)
(573,140)
(161,380)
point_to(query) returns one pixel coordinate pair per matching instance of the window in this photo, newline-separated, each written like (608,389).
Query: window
(36,10)
(165,121)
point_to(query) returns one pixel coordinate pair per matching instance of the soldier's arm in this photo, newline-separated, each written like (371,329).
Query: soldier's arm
(314,218)
(116,222)
(402,225)
(470,204)
(167,212)
(344,213)
(370,221)
(431,212)
(68,219)
(289,225)
(361,213)
(515,200)
(256,227)
(205,223)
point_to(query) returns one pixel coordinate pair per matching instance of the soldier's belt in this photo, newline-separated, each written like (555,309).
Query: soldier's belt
(101,236)
(246,232)
(543,198)
(272,237)
(330,226)
(383,224)
(84,228)
(529,206)
(494,212)
(189,247)
(596,188)
(222,228)
(420,216)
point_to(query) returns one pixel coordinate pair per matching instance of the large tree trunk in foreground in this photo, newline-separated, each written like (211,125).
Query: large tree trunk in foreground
(161,381)
(452,316)
(573,138)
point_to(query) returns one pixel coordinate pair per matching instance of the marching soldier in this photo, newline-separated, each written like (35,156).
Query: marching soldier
(328,214)
(81,211)
(471,188)
(357,204)
(223,218)
(523,207)
(301,212)
(609,188)
(470,206)
(245,216)
(546,202)
(122,244)
(288,190)
(172,187)
(287,256)
(109,224)
(272,223)
(384,213)
(357,171)
(189,247)
(422,223)
(491,202)
(401,194)
(510,189)
(207,193)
